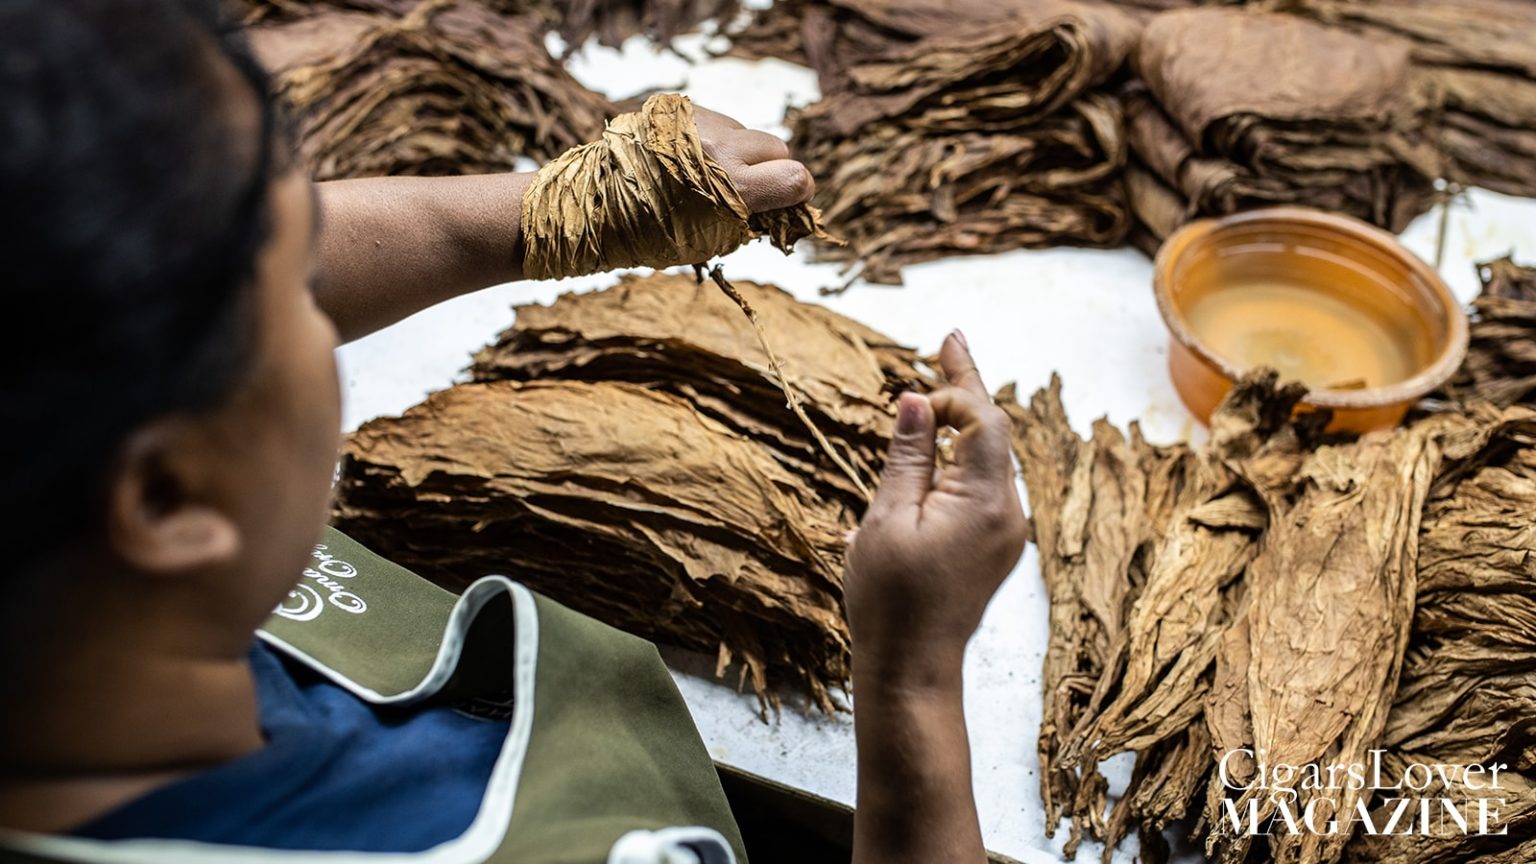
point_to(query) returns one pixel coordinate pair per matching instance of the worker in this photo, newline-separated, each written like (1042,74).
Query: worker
(175,291)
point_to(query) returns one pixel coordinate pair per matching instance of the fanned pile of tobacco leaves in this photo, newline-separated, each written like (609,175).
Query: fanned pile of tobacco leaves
(946,128)
(628,453)
(1309,599)
(422,86)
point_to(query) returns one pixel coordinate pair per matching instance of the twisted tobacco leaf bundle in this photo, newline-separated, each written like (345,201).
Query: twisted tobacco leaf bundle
(651,476)
(1243,108)
(428,87)
(1258,595)
(645,194)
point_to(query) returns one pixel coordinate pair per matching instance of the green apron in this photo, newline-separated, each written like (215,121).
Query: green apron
(602,762)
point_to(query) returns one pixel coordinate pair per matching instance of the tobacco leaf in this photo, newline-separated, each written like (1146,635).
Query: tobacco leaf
(963,128)
(1203,545)
(1466,695)
(1278,595)
(614,21)
(644,194)
(669,332)
(1333,589)
(1089,502)
(650,475)
(1103,511)
(1475,59)
(430,87)
(1244,108)
(1501,357)
(619,501)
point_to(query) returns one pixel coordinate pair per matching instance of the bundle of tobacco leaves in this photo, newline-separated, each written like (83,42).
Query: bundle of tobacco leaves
(423,87)
(651,476)
(1255,596)
(1467,694)
(1501,357)
(951,128)
(1244,108)
(1478,63)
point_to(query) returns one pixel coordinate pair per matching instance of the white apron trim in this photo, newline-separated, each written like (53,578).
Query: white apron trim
(683,845)
(484,834)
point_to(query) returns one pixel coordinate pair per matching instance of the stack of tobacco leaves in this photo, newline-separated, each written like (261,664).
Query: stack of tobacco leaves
(613,21)
(651,476)
(423,87)
(1244,108)
(1255,596)
(1501,357)
(952,128)
(1478,62)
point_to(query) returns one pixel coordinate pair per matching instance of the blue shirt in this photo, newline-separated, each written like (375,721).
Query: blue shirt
(336,774)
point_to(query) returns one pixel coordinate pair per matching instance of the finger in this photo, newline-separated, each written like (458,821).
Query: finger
(775,185)
(984,432)
(908,473)
(703,117)
(959,368)
(752,146)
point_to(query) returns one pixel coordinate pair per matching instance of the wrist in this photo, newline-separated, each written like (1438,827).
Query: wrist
(914,672)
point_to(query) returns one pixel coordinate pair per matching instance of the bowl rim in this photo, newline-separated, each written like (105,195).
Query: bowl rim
(1432,375)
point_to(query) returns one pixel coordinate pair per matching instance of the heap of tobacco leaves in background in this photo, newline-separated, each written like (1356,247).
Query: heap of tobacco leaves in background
(1352,106)
(1238,109)
(953,128)
(442,87)
(611,21)
(1309,597)
(628,453)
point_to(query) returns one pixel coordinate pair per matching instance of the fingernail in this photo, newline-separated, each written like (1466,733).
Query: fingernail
(960,337)
(908,407)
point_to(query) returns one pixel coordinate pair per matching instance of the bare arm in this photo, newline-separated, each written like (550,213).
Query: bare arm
(927,558)
(392,246)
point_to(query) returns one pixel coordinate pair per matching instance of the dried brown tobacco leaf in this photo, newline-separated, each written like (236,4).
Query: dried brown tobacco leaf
(976,136)
(1194,566)
(1331,600)
(1089,504)
(613,21)
(619,501)
(1477,62)
(902,196)
(434,87)
(670,333)
(1501,358)
(645,194)
(1466,695)
(1267,108)
(1109,531)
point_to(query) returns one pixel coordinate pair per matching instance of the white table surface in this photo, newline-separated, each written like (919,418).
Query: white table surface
(1086,314)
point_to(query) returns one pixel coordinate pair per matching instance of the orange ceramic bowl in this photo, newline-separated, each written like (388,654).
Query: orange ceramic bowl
(1347,263)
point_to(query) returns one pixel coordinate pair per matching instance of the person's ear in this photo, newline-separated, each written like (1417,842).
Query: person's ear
(161,515)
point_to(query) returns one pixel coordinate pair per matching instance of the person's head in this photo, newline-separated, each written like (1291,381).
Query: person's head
(170,399)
